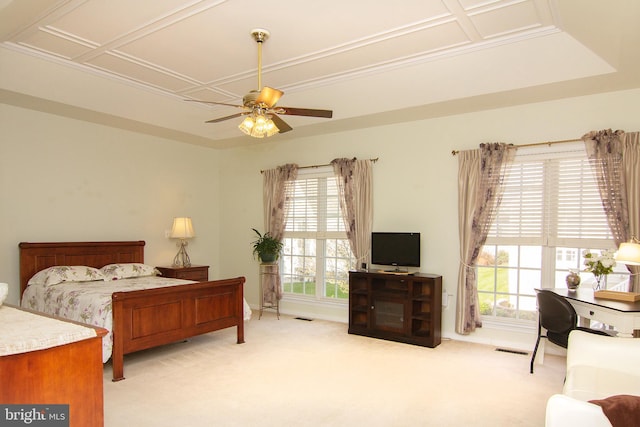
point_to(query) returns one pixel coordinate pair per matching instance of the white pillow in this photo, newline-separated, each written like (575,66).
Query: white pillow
(125,271)
(66,273)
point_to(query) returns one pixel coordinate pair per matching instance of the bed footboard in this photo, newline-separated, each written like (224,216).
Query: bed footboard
(154,317)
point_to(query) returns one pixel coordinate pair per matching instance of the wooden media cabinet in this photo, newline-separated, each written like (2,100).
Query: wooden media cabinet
(404,308)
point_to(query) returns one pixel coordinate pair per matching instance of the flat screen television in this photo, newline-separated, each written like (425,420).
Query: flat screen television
(396,249)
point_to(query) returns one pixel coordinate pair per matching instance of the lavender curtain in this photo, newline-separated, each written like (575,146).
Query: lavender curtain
(614,157)
(355,186)
(480,177)
(277,186)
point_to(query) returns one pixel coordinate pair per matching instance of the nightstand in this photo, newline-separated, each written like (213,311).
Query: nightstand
(199,273)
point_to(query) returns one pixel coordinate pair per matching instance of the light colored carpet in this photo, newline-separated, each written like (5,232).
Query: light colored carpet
(297,373)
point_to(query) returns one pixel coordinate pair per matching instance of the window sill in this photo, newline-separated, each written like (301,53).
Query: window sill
(510,325)
(315,301)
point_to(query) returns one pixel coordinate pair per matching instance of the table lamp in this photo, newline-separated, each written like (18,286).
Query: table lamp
(182,229)
(629,252)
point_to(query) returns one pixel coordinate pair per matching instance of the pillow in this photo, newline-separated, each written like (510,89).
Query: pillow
(65,273)
(622,410)
(125,271)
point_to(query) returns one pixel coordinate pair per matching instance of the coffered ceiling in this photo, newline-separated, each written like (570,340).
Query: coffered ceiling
(133,63)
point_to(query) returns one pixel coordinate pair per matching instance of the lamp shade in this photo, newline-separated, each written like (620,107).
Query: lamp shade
(629,253)
(258,125)
(182,229)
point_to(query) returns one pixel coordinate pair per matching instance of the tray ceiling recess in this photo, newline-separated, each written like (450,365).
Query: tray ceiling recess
(131,64)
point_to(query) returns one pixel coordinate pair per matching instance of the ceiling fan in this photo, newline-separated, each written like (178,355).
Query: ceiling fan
(262,114)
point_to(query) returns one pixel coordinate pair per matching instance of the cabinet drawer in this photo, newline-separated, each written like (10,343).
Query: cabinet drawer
(197,275)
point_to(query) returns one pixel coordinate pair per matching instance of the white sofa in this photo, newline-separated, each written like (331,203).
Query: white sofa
(598,367)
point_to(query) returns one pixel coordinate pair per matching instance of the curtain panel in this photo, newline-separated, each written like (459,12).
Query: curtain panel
(615,158)
(355,181)
(277,185)
(480,177)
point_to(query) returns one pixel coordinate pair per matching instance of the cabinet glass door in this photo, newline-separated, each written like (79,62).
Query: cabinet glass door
(388,315)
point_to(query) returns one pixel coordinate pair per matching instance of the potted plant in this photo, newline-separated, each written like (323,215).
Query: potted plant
(266,247)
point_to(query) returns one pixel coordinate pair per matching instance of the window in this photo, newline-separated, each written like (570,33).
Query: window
(550,213)
(317,257)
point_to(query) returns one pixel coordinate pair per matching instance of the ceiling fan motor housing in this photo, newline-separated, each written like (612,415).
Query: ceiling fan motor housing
(249,100)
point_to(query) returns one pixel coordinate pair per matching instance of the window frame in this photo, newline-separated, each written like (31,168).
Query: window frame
(321,236)
(548,242)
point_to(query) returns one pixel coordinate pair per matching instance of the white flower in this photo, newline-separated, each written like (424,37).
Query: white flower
(601,264)
(607,262)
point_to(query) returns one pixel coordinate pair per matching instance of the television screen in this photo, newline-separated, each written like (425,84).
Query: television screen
(398,249)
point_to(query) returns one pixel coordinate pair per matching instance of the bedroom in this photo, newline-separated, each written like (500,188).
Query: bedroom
(46,200)
(159,178)
(76,180)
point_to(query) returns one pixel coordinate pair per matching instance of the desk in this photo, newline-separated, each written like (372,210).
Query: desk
(622,315)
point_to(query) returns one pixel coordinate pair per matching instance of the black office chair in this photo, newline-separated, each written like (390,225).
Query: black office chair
(558,318)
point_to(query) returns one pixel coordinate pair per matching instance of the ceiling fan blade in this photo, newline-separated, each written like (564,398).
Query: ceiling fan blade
(221,119)
(269,96)
(327,114)
(281,124)
(215,103)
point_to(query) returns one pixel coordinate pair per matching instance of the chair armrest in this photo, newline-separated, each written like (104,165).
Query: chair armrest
(589,382)
(563,411)
(601,351)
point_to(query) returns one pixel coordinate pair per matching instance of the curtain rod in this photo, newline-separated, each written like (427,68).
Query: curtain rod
(533,144)
(320,166)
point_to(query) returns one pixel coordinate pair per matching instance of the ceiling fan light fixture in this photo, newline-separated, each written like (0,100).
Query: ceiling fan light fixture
(271,128)
(246,125)
(258,125)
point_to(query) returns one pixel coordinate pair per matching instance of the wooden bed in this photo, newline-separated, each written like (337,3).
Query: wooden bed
(147,318)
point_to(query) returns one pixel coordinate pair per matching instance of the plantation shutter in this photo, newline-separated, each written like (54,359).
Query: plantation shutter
(315,205)
(521,212)
(303,210)
(576,212)
(551,199)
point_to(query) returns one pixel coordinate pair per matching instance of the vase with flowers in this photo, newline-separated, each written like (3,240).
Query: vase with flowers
(599,265)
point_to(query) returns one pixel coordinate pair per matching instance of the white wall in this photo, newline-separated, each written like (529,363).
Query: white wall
(64,180)
(415,183)
(68,180)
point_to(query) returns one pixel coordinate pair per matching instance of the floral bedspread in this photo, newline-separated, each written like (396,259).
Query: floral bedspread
(90,302)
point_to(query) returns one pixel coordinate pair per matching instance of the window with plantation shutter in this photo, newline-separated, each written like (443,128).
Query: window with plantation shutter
(317,257)
(549,214)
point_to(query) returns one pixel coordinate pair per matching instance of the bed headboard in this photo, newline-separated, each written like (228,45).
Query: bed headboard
(38,256)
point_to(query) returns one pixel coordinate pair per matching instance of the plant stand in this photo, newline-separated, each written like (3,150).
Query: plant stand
(270,288)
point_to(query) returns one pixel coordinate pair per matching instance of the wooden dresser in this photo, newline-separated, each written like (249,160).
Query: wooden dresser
(70,373)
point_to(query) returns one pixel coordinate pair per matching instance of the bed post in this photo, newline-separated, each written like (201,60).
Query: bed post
(117,352)
(240,310)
